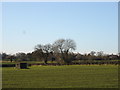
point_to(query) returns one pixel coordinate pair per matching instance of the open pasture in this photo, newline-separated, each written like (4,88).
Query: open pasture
(66,76)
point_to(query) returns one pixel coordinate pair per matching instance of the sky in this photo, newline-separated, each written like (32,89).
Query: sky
(92,25)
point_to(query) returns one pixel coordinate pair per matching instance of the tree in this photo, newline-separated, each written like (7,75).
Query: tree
(4,55)
(11,57)
(38,54)
(64,47)
(100,53)
(44,50)
(21,56)
(92,53)
(29,56)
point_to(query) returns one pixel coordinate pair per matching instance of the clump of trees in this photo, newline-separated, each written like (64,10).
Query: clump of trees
(60,48)
(61,51)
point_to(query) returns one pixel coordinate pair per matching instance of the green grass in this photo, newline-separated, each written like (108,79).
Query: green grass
(72,76)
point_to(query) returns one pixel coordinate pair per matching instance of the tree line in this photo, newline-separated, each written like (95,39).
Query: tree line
(61,51)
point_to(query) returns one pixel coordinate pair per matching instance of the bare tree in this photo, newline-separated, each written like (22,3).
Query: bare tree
(64,47)
(100,53)
(92,53)
(45,50)
(58,46)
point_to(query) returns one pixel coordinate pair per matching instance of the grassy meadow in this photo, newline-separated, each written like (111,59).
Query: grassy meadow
(66,76)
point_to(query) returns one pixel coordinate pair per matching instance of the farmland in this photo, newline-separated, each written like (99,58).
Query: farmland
(65,76)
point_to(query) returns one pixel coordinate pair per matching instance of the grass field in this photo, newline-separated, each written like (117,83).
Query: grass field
(73,76)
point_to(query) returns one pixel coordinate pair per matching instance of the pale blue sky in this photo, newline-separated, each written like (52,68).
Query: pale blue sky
(92,25)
